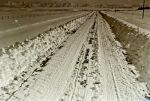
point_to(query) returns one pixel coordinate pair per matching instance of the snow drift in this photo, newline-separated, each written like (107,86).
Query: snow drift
(135,42)
(19,56)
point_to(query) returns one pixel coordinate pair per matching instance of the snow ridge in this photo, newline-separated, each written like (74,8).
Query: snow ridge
(19,56)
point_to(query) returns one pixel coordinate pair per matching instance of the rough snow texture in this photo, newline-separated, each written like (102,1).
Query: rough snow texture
(89,66)
(85,83)
(46,82)
(119,76)
(22,55)
(136,44)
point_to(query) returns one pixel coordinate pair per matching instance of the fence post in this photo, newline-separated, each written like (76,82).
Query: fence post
(143,9)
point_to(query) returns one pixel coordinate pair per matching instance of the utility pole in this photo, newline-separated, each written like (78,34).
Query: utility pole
(143,9)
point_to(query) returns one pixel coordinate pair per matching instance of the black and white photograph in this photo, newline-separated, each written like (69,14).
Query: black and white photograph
(74,50)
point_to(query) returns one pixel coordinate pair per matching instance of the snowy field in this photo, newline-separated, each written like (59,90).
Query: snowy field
(133,17)
(16,26)
(12,19)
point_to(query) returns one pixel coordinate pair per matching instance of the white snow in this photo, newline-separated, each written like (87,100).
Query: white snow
(23,55)
(90,66)
(118,81)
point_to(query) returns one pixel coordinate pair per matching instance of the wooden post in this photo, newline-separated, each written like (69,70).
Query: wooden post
(143,9)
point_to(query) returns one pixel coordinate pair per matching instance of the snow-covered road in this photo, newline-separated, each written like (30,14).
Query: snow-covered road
(51,82)
(119,77)
(89,66)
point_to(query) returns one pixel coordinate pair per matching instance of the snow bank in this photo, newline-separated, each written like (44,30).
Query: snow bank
(136,42)
(19,56)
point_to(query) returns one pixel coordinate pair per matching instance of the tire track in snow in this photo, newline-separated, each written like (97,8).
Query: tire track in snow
(85,82)
(49,84)
(90,67)
(9,90)
(118,79)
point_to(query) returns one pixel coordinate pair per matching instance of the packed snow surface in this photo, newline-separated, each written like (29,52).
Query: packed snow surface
(136,43)
(19,56)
